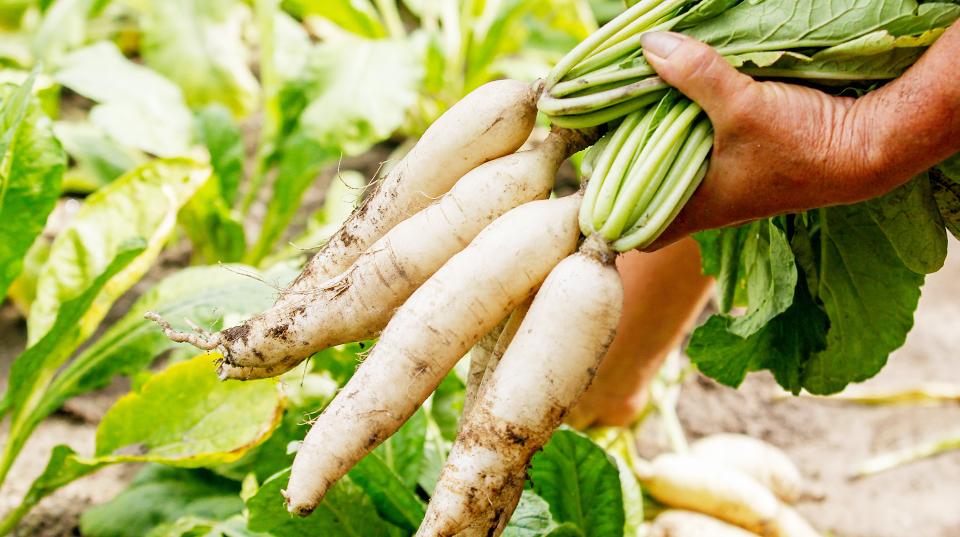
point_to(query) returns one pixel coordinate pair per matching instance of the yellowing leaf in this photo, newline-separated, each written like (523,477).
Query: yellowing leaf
(142,204)
(185,416)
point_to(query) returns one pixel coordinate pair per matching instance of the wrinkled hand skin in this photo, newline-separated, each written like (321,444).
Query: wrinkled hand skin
(783,148)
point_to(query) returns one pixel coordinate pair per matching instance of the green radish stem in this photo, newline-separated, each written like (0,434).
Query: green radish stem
(586,47)
(640,185)
(686,174)
(608,114)
(550,362)
(446,316)
(594,101)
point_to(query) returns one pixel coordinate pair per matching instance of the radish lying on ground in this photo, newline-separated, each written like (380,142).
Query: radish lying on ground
(549,363)
(688,482)
(677,523)
(492,121)
(760,460)
(358,304)
(460,303)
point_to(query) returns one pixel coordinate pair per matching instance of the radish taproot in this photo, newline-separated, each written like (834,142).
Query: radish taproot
(447,315)
(548,365)
(765,463)
(492,121)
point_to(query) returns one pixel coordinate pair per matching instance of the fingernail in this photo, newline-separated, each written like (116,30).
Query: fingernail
(660,43)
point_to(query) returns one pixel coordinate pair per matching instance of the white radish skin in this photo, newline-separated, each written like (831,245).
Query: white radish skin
(464,300)
(492,121)
(687,482)
(765,463)
(358,304)
(677,523)
(548,365)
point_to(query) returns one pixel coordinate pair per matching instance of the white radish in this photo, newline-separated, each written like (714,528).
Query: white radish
(492,121)
(789,523)
(765,463)
(678,523)
(357,304)
(548,365)
(464,300)
(687,482)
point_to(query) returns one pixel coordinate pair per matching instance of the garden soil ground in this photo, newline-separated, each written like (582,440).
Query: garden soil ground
(826,438)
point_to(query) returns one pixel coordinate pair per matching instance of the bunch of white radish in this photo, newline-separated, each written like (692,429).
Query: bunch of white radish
(457,237)
(727,485)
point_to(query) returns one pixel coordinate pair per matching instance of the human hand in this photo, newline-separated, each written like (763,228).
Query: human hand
(783,148)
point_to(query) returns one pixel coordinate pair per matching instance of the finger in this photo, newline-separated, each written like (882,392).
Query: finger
(696,69)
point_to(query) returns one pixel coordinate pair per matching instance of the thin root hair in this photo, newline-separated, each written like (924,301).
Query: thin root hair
(202,339)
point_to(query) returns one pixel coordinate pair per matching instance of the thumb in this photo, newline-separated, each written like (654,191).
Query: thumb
(696,69)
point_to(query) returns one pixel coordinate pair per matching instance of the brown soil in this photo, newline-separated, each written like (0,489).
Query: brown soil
(826,438)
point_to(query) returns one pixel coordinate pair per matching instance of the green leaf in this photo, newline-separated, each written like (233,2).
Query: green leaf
(198,45)
(345,511)
(208,296)
(531,518)
(63,468)
(137,106)
(160,495)
(784,345)
(394,500)
(775,25)
(363,90)
(632,499)
(31,167)
(754,266)
(224,141)
(581,484)
(343,195)
(301,160)
(771,276)
(99,158)
(31,371)
(447,404)
(185,416)
(435,451)
(142,204)
(947,193)
(910,220)
(216,235)
(868,293)
(191,526)
(951,167)
(356,16)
